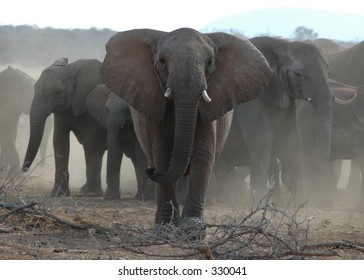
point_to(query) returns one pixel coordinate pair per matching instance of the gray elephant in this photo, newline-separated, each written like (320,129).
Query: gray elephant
(114,114)
(182,87)
(347,66)
(327,46)
(347,138)
(62,89)
(16,94)
(264,129)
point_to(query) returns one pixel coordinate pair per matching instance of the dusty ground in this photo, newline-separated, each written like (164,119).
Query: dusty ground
(112,224)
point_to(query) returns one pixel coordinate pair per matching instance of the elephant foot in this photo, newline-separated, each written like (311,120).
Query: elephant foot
(259,198)
(192,229)
(90,192)
(112,194)
(188,230)
(60,191)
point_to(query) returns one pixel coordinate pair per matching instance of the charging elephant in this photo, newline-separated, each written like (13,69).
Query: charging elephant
(16,94)
(114,114)
(347,138)
(182,87)
(265,128)
(62,89)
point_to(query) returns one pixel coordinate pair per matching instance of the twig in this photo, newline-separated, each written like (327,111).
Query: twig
(15,209)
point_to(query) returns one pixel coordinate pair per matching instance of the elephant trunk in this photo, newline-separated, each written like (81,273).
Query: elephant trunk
(37,124)
(185,127)
(323,110)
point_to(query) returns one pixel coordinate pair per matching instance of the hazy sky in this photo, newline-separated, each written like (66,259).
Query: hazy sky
(164,15)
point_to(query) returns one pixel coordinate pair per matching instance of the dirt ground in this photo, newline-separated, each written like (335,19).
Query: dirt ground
(108,226)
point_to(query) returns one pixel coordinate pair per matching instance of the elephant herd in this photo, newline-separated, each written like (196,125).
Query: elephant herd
(185,104)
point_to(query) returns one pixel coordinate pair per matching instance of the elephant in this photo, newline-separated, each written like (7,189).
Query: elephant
(327,46)
(182,87)
(114,115)
(62,89)
(16,94)
(265,129)
(347,137)
(347,66)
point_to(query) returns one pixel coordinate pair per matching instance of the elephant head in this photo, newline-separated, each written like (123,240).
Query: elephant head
(16,90)
(60,87)
(299,71)
(202,75)
(108,108)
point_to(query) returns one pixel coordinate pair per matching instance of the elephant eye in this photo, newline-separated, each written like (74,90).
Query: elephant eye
(209,68)
(209,64)
(162,62)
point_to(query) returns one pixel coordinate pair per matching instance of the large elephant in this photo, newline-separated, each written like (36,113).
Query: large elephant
(182,87)
(347,138)
(16,94)
(62,89)
(114,114)
(264,129)
(347,66)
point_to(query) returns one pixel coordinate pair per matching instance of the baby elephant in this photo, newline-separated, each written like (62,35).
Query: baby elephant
(114,114)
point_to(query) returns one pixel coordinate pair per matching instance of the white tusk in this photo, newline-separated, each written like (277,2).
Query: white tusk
(206,96)
(345,102)
(168,93)
(309,99)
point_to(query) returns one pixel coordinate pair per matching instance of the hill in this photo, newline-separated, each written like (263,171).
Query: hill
(40,47)
(283,21)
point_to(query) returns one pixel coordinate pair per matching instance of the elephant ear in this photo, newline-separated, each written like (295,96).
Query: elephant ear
(274,51)
(128,70)
(87,78)
(96,103)
(241,74)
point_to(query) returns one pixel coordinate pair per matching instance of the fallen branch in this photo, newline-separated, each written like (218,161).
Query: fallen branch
(15,209)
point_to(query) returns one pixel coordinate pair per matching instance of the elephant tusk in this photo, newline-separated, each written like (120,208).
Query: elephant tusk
(206,96)
(345,102)
(309,99)
(168,93)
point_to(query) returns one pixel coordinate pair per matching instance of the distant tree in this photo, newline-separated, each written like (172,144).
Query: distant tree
(302,33)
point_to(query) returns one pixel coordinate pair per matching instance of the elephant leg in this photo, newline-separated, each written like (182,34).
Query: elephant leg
(152,142)
(10,154)
(359,162)
(146,188)
(8,149)
(354,176)
(256,126)
(93,157)
(167,204)
(360,165)
(114,159)
(61,146)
